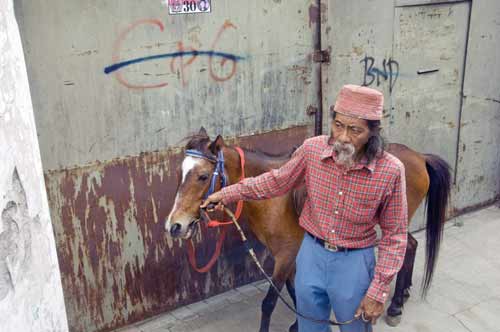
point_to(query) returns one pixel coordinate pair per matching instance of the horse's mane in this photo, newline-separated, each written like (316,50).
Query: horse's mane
(196,141)
(199,142)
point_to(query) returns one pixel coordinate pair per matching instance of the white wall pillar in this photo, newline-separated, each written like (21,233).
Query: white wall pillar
(31,297)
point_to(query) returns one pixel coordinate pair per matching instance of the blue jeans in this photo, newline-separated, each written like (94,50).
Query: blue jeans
(327,280)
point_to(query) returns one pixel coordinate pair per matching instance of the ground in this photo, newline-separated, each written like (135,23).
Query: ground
(464,297)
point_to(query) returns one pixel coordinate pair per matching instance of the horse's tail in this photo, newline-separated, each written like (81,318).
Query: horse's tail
(437,202)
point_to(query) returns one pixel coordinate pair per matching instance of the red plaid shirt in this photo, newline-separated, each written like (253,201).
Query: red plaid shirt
(342,207)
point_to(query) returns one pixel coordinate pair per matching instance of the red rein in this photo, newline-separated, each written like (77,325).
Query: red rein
(216,223)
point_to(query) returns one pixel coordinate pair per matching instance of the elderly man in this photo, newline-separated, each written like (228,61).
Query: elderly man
(352,185)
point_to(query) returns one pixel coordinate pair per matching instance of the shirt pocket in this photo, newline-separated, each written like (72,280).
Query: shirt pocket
(360,208)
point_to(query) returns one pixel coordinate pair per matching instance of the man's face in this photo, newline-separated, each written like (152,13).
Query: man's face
(350,136)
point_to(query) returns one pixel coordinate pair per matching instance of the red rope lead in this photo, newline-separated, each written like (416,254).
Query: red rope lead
(215,256)
(216,223)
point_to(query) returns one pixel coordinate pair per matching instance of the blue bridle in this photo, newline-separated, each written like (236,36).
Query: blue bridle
(218,171)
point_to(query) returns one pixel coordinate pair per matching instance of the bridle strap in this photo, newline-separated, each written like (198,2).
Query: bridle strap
(199,154)
(218,172)
(219,169)
(239,206)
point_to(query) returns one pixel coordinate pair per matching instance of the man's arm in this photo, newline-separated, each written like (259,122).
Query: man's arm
(392,246)
(270,184)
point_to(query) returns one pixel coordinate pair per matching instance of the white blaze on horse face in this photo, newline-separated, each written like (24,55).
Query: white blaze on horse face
(187,165)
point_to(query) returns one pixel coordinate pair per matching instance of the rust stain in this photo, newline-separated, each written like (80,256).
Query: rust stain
(117,264)
(315,14)
(358,50)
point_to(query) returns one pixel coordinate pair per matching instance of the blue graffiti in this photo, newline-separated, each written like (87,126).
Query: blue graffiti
(390,71)
(116,66)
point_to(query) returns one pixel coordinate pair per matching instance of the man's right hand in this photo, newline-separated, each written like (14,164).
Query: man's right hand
(215,199)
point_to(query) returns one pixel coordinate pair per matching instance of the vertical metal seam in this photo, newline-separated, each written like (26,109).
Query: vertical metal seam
(459,124)
(391,99)
(318,116)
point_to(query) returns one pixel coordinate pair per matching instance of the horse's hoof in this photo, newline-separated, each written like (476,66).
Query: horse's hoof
(393,320)
(294,327)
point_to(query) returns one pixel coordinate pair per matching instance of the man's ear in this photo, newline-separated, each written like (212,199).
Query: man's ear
(202,132)
(217,145)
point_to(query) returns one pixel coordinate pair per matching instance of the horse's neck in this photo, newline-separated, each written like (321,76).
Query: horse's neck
(255,164)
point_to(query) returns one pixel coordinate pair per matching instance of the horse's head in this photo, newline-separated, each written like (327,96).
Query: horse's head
(194,182)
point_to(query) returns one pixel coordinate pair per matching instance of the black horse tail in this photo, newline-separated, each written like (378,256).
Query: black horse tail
(436,205)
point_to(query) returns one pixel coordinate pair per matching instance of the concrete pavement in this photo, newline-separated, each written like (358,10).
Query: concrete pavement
(464,297)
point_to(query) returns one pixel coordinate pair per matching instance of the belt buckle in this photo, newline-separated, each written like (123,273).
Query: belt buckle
(331,247)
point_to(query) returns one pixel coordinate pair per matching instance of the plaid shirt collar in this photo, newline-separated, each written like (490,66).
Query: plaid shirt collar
(329,153)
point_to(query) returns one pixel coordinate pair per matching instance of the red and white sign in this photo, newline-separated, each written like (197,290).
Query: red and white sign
(176,7)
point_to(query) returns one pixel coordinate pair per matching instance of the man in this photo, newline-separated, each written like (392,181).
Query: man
(352,185)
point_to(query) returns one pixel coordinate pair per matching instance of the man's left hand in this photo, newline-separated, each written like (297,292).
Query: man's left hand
(369,310)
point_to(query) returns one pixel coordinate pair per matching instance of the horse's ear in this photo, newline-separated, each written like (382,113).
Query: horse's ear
(217,145)
(203,132)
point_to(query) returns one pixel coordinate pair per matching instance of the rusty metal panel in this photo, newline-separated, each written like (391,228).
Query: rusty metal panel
(426,103)
(377,44)
(478,176)
(114,81)
(430,41)
(117,263)
(237,70)
(358,34)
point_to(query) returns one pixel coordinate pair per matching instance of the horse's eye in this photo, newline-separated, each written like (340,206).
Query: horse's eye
(203,177)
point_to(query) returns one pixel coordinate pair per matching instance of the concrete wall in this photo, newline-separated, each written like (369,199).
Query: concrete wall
(426,111)
(31,297)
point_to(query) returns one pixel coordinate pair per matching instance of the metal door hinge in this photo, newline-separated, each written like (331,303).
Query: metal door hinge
(311,110)
(322,56)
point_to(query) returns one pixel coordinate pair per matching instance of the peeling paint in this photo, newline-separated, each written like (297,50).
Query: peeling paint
(118,264)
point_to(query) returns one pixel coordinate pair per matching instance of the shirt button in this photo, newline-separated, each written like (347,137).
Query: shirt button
(333,231)
(384,294)
(336,212)
(340,193)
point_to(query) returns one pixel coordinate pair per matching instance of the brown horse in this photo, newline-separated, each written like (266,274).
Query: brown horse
(275,221)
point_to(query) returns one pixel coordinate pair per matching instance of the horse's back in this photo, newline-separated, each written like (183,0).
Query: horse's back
(417,178)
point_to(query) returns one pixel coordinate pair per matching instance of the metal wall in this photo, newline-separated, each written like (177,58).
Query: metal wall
(109,138)
(84,115)
(31,295)
(437,64)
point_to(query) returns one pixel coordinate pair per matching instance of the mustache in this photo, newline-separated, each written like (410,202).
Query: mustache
(345,153)
(346,148)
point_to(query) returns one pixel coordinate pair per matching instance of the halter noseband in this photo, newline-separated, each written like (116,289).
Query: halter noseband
(218,171)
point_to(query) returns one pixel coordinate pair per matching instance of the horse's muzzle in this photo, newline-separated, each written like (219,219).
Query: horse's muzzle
(176,230)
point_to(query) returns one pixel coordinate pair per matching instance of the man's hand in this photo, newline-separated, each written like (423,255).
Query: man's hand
(369,310)
(216,199)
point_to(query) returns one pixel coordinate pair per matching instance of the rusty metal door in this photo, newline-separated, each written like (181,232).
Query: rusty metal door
(430,43)
(411,50)
(116,86)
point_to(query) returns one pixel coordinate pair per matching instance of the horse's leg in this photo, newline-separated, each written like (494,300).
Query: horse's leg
(281,271)
(413,244)
(291,290)
(403,283)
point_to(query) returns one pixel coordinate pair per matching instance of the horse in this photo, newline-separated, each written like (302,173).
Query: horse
(275,224)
